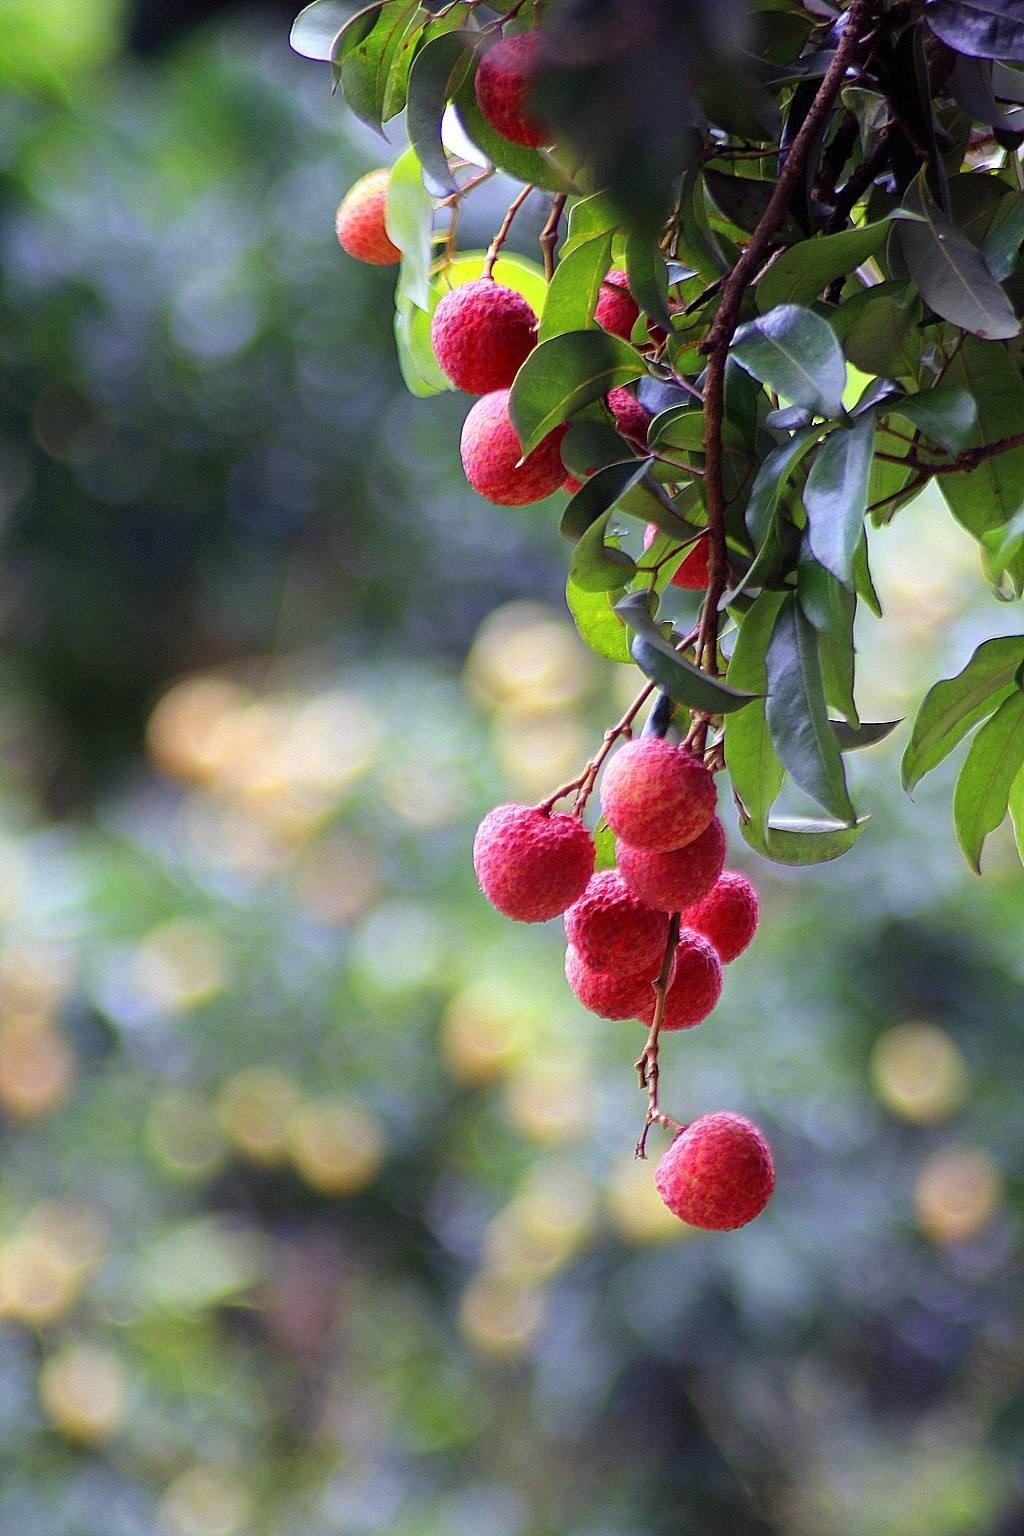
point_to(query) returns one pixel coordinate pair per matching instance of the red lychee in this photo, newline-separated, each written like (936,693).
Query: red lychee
(718,1174)
(616,309)
(359,221)
(491,454)
(481,333)
(657,796)
(676,880)
(531,864)
(727,915)
(692,572)
(697,985)
(610,994)
(631,418)
(612,930)
(503,84)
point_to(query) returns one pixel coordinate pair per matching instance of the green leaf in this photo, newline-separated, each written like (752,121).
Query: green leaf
(597,566)
(990,495)
(563,374)
(591,216)
(699,246)
(982,29)
(754,768)
(797,717)
(1002,243)
(576,287)
(437,72)
(604,846)
(410,213)
(836,496)
(944,414)
(953,706)
(851,738)
(801,840)
(599,625)
(763,517)
(1016,808)
(801,273)
(659,660)
(315,28)
(795,352)
(420,368)
(365,68)
(743,201)
(516,272)
(982,790)
(1001,550)
(863,579)
(878,330)
(648,277)
(951,272)
(602,491)
(830,609)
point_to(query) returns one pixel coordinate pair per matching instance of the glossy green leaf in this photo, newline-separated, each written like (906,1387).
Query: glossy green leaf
(1015,806)
(836,496)
(982,791)
(951,272)
(797,717)
(878,330)
(795,352)
(990,495)
(410,213)
(802,840)
(851,738)
(420,368)
(1002,243)
(944,414)
(801,273)
(754,768)
(982,29)
(576,287)
(830,609)
(659,660)
(599,625)
(598,494)
(699,246)
(563,374)
(437,72)
(648,277)
(591,216)
(953,706)
(364,69)
(597,566)
(315,28)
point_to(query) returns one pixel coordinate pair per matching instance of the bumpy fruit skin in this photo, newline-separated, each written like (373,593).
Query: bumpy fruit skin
(657,796)
(616,309)
(481,333)
(359,221)
(631,418)
(675,881)
(692,572)
(697,986)
(532,865)
(612,930)
(491,453)
(718,1174)
(727,915)
(503,84)
(610,994)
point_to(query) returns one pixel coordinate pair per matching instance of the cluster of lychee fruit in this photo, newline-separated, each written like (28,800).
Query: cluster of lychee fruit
(534,863)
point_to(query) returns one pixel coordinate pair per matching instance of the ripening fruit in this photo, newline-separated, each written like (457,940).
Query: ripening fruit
(360,221)
(657,796)
(676,880)
(612,930)
(481,333)
(616,309)
(727,915)
(692,572)
(531,863)
(697,986)
(503,84)
(718,1174)
(631,418)
(610,994)
(491,454)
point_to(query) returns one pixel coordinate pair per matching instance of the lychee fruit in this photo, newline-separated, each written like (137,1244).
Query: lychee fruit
(676,880)
(718,1174)
(727,915)
(616,309)
(610,994)
(613,930)
(360,221)
(692,572)
(481,333)
(504,81)
(631,418)
(531,863)
(697,985)
(657,796)
(491,454)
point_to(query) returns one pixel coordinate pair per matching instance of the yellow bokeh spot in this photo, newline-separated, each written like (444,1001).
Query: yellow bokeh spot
(538,752)
(335,1144)
(525,654)
(548,1099)
(179,965)
(254,1109)
(329,742)
(83,1390)
(338,879)
(184,737)
(205,1501)
(500,1317)
(35,975)
(919,1073)
(636,1212)
(546,1222)
(37,1066)
(182,1133)
(483,1032)
(958,1192)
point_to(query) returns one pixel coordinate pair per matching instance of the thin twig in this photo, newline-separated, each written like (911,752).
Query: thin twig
(494,249)
(647,1062)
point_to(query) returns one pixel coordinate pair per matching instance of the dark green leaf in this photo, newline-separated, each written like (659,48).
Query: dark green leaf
(982,790)
(699,246)
(365,68)
(599,494)
(852,737)
(795,352)
(648,277)
(802,272)
(944,414)
(983,29)
(836,496)
(597,566)
(659,660)
(878,330)
(830,609)
(576,287)
(950,272)
(437,72)
(991,494)
(1001,247)
(754,768)
(801,840)
(797,717)
(763,516)
(953,706)
(863,580)
(563,374)
(743,201)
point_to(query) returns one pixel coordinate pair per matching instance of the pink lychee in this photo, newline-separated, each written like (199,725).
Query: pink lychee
(692,572)
(616,309)
(481,333)
(676,880)
(360,221)
(491,454)
(657,796)
(612,930)
(727,915)
(631,418)
(697,985)
(504,81)
(718,1173)
(532,864)
(610,994)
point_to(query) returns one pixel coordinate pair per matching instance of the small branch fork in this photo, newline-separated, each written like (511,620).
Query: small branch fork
(647,1062)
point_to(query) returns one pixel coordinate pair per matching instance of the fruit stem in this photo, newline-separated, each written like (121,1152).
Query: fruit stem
(647,1062)
(506,224)
(549,234)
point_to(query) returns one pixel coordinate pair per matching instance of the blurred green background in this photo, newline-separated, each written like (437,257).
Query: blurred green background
(318,1212)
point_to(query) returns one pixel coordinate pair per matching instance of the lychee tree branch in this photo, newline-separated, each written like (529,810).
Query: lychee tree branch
(494,249)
